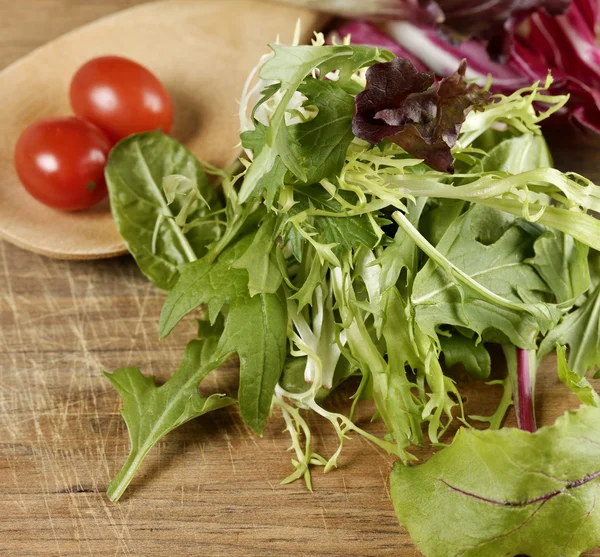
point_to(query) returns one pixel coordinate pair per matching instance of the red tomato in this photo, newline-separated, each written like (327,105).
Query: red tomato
(60,161)
(121,97)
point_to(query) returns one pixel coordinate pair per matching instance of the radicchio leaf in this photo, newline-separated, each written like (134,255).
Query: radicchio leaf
(491,20)
(567,46)
(405,106)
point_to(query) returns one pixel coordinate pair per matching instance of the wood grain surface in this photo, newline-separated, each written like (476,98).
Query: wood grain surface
(210,488)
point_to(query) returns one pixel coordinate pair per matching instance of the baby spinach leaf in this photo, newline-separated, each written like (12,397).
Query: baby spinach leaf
(459,349)
(518,154)
(151,411)
(134,176)
(507,492)
(256,329)
(201,282)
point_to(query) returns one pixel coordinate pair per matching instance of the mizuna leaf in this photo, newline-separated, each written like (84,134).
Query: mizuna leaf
(151,411)
(405,106)
(507,492)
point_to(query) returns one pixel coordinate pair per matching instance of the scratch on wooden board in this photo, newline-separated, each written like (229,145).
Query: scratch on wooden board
(345,488)
(385,483)
(230,449)
(32,402)
(324,520)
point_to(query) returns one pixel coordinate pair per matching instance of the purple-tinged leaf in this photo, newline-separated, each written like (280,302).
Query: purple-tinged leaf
(491,20)
(405,106)
(565,45)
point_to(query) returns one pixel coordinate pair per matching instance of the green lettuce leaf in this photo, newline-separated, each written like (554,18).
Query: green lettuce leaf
(507,492)
(151,411)
(320,144)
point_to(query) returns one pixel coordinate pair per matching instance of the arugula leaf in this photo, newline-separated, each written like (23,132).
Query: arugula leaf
(151,411)
(310,275)
(466,351)
(214,284)
(438,217)
(320,144)
(273,180)
(259,260)
(507,492)
(146,221)
(256,329)
(510,299)
(580,330)
(348,232)
(562,262)
(579,386)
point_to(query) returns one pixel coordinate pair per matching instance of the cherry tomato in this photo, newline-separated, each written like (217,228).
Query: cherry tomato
(121,97)
(60,161)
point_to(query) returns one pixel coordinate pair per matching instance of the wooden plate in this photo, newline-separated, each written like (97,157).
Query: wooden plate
(202,50)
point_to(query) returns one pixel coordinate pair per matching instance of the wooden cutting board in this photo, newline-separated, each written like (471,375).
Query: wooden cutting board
(210,488)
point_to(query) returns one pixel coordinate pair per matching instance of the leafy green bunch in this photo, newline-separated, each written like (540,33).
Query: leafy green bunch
(381,224)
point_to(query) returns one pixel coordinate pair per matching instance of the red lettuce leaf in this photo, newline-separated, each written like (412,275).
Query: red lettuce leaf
(407,107)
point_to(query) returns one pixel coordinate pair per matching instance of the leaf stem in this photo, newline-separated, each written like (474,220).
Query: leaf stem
(525,384)
(522,367)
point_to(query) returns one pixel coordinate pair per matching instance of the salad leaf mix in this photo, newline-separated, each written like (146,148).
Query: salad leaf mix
(516,42)
(380,225)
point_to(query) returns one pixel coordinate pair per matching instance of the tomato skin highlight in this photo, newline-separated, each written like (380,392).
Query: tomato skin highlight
(121,97)
(60,161)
